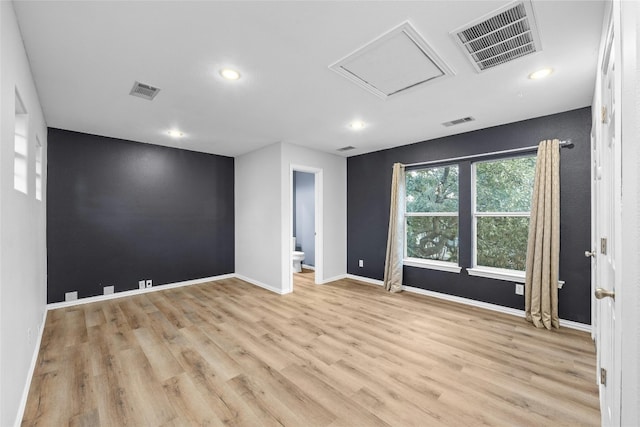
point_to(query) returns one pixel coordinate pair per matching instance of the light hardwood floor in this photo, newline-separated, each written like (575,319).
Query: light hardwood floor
(342,354)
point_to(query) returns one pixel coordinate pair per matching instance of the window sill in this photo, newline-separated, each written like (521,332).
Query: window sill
(502,274)
(432,265)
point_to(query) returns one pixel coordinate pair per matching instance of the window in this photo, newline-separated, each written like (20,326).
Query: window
(38,169)
(431,217)
(20,146)
(501,209)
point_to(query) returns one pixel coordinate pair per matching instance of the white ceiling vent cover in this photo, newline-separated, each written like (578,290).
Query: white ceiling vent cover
(347,148)
(458,121)
(144,91)
(396,61)
(500,37)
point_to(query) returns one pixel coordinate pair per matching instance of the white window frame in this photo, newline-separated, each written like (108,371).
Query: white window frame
(21,147)
(507,274)
(451,267)
(38,169)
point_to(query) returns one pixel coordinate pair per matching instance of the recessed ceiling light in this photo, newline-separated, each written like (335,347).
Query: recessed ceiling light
(540,74)
(357,125)
(230,74)
(175,133)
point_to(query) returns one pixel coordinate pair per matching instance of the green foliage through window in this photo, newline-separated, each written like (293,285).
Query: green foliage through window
(433,189)
(503,202)
(502,242)
(505,185)
(432,213)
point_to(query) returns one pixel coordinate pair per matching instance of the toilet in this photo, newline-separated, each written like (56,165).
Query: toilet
(297,257)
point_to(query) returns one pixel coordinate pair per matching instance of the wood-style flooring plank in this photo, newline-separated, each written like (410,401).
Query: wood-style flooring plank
(228,353)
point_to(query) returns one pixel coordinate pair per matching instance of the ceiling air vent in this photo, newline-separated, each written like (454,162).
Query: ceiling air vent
(500,37)
(458,121)
(144,91)
(347,148)
(398,60)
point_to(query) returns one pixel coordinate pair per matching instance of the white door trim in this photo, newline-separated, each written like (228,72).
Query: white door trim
(627,20)
(625,373)
(319,225)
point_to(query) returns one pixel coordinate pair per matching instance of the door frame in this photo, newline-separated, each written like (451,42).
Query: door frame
(625,17)
(319,224)
(627,24)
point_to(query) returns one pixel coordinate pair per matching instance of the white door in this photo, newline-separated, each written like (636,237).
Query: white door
(606,216)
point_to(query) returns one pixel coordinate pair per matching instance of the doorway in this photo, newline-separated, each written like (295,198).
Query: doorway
(304,226)
(305,219)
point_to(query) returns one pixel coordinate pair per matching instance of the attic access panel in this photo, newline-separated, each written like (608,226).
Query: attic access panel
(397,61)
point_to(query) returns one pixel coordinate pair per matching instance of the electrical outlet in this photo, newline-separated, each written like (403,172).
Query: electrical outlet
(519,289)
(109,290)
(71,296)
(29,335)
(149,283)
(361,263)
(141,284)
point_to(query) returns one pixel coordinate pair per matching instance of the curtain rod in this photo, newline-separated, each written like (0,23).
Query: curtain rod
(563,144)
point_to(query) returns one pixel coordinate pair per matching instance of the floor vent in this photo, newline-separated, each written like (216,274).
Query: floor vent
(458,121)
(347,148)
(504,35)
(398,60)
(144,91)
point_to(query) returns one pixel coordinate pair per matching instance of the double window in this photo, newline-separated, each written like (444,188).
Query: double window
(500,204)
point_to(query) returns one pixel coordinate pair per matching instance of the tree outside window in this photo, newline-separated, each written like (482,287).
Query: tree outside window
(502,206)
(431,214)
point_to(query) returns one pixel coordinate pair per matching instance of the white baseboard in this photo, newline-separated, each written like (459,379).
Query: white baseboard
(260,284)
(97,298)
(584,327)
(308,267)
(488,306)
(332,279)
(32,368)
(365,279)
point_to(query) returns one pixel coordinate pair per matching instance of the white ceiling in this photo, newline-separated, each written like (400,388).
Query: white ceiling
(86,55)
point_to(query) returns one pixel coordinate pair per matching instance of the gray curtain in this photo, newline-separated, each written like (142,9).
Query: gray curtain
(543,249)
(395,239)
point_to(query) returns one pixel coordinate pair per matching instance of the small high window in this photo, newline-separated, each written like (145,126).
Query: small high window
(20,146)
(38,169)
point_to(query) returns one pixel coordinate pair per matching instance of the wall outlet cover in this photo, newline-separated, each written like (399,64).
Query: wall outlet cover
(109,290)
(71,296)
(149,283)
(141,284)
(361,263)
(519,289)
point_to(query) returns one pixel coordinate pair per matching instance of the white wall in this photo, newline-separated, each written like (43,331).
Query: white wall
(263,185)
(629,22)
(22,226)
(334,213)
(257,217)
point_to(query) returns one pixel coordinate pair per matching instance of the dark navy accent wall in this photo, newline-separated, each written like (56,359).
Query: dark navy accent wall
(368,195)
(121,211)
